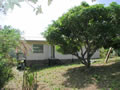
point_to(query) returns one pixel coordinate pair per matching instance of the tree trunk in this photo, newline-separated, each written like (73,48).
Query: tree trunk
(88,63)
(108,54)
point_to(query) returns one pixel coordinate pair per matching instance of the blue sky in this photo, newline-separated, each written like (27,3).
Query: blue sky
(107,2)
(31,24)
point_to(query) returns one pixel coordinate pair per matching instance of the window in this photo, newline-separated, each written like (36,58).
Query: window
(37,48)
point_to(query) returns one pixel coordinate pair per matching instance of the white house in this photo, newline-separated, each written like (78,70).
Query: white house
(41,50)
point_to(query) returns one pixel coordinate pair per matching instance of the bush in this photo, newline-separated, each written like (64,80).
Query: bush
(5,73)
(117,51)
(9,41)
(30,80)
(103,52)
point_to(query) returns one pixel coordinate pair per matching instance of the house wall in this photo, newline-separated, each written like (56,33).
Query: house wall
(47,52)
(38,56)
(69,56)
(96,54)
(64,56)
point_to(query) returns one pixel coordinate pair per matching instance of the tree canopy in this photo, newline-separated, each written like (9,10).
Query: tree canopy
(84,28)
(115,14)
(9,39)
(9,4)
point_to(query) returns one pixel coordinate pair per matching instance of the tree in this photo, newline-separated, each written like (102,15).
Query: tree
(84,26)
(9,4)
(9,40)
(114,42)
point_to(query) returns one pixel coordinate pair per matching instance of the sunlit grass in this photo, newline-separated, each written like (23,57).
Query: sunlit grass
(76,76)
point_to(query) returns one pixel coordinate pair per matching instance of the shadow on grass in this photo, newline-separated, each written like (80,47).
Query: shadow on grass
(38,67)
(106,76)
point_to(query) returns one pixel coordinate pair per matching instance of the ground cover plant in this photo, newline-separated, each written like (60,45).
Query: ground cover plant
(75,77)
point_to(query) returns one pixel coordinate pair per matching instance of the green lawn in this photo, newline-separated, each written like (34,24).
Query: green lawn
(75,77)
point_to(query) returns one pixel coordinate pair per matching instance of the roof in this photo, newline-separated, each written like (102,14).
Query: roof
(33,38)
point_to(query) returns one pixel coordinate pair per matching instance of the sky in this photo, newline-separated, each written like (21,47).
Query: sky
(27,21)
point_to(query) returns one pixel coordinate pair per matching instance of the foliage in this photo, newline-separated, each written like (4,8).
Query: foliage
(5,73)
(115,15)
(9,4)
(75,77)
(114,42)
(29,80)
(9,40)
(103,52)
(83,28)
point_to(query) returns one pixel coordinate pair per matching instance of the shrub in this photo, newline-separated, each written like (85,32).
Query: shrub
(9,41)
(103,52)
(30,80)
(5,73)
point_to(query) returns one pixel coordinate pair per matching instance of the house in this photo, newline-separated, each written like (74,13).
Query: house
(42,51)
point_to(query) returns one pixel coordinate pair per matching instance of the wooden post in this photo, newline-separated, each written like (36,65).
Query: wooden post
(108,54)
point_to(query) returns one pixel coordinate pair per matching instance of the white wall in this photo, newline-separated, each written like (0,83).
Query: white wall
(62,56)
(38,56)
(47,53)
(69,56)
(96,54)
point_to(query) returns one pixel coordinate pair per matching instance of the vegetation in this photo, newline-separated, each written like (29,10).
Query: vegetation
(103,52)
(85,28)
(75,77)
(115,14)
(9,4)
(29,80)
(5,73)
(9,38)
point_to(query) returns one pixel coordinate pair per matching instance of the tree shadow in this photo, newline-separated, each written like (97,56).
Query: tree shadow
(36,68)
(104,77)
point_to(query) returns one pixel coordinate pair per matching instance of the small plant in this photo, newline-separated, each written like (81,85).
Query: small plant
(56,88)
(29,80)
(97,77)
(103,52)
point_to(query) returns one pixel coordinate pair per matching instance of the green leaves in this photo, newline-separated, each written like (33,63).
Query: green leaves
(9,39)
(5,73)
(86,26)
(9,4)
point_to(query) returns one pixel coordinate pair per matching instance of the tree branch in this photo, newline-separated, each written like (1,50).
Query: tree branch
(82,59)
(29,4)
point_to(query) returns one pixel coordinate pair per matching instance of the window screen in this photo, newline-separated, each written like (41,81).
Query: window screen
(37,48)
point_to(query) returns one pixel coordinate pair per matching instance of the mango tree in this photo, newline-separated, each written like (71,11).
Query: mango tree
(83,26)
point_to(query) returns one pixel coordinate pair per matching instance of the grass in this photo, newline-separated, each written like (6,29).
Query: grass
(76,77)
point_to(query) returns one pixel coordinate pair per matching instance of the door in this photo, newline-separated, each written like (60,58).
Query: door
(52,51)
